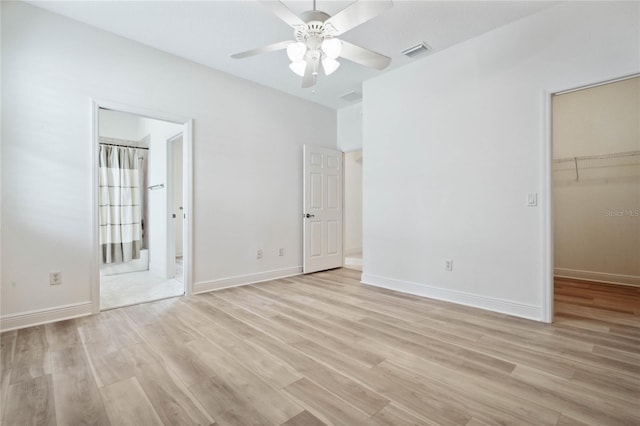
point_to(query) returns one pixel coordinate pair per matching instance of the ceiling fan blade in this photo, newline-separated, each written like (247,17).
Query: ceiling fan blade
(309,78)
(283,12)
(363,56)
(356,14)
(265,49)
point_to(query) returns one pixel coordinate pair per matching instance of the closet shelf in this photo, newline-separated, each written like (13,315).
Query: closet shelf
(628,158)
(597,157)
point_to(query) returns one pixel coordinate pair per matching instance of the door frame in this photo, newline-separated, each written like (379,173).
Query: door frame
(187,183)
(547,189)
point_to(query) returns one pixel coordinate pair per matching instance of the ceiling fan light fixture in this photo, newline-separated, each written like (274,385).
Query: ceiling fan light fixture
(298,67)
(296,51)
(332,47)
(329,65)
(315,39)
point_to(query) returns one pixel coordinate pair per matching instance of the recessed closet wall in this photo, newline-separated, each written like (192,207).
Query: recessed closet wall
(353,203)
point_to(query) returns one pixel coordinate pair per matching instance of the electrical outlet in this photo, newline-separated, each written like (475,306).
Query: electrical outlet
(281,251)
(259,254)
(448,265)
(55,278)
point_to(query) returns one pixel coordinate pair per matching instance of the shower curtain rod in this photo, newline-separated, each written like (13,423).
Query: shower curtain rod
(124,146)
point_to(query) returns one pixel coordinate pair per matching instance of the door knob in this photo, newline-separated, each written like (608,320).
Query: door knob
(309,215)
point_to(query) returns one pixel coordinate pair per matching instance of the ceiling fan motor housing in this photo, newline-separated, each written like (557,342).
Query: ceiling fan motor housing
(314,32)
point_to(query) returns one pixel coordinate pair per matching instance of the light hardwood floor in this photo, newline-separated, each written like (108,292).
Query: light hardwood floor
(323,349)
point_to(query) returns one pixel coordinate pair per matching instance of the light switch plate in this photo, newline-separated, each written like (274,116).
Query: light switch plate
(532,199)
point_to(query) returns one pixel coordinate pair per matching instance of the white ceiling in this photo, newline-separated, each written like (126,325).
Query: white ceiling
(208,32)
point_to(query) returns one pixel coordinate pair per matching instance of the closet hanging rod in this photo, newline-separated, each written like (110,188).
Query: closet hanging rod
(598,157)
(124,146)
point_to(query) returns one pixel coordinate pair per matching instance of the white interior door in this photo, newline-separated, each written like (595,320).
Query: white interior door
(322,195)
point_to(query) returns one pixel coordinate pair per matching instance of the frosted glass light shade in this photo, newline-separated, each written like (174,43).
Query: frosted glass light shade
(332,47)
(330,65)
(296,51)
(298,67)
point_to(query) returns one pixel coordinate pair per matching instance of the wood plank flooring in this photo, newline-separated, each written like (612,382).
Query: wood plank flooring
(324,349)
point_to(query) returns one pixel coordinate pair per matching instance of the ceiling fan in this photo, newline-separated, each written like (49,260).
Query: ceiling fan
(316,41)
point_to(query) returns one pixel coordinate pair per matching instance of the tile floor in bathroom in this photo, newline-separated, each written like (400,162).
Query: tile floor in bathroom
(139,287)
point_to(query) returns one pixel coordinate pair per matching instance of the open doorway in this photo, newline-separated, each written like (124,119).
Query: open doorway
(353,209)
(596,200)
(136,190)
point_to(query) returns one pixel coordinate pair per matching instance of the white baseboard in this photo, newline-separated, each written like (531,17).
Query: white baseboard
(205,286)
(44,316)
(353,261)
(462,298)
(603,277)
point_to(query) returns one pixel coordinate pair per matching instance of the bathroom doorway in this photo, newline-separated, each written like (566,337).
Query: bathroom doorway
(137,179)
(353,209)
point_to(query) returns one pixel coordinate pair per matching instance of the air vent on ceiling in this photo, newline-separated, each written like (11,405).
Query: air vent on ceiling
(416,50)
(351,96)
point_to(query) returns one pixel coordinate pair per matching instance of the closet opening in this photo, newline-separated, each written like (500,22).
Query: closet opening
(596,201)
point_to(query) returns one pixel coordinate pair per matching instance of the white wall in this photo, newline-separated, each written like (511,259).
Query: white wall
(247,168)
(350,127)
(597,216)
(454,143)
(118,125)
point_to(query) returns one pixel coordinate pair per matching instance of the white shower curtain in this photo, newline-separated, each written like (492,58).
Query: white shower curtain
(119,199)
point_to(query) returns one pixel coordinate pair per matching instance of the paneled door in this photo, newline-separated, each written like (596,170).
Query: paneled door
(322,214)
